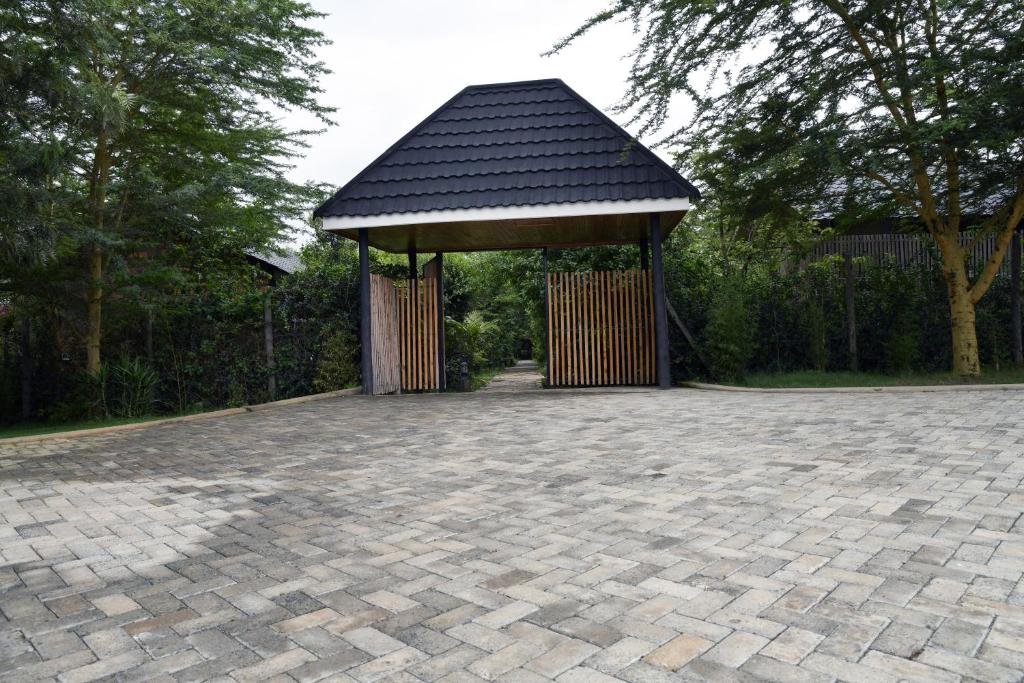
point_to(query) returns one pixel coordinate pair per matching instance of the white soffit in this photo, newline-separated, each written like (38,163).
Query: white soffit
(508,213)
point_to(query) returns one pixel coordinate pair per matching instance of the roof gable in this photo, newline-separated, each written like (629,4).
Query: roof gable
(509,144)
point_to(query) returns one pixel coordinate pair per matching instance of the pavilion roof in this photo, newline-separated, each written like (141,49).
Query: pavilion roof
(510,165)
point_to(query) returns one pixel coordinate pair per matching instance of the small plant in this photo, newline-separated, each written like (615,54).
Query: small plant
(134,385)
(469,338)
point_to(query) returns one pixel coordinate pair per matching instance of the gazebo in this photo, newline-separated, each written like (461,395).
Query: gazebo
(520,165)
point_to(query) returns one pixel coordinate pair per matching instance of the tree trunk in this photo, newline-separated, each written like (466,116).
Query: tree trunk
(93,307)
(961,307)
(94,284)
(851,313)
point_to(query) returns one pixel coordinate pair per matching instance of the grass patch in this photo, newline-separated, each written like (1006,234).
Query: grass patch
(34,428)
(811,379)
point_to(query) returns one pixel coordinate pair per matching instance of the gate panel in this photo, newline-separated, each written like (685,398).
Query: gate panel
(600,328)
(417,332)
(387,362)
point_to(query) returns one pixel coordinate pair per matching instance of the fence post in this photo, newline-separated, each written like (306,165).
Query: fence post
(547,320)
(851,313)
(442,359)
(268,341)
(26,367)
(664,372)
(1018,346)
(365,334)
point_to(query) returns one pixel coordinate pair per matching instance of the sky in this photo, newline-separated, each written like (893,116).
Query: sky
(396,61)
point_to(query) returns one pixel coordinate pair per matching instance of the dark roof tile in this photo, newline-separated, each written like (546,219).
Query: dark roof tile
(508,144)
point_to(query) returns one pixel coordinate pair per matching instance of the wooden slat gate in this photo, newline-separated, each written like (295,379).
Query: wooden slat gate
(417,332)
(387,361)
(404,334)
(600,328)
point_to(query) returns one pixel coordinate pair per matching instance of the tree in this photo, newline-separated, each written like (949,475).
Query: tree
(916,104)
(162,115)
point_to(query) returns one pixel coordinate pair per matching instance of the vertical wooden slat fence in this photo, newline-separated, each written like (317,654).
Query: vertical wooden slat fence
(907,250)
(387,361)
(601,328)
(417,332)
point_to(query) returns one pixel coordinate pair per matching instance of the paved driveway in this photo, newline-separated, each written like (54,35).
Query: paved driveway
(637,535)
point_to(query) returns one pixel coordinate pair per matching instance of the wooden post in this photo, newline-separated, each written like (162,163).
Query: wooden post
(851,312)
(412,263)
(268,341)
(149,335)
(26,367)
(365,336)
(664,371)
(644,265)
(442,359)
(547,319)
(1018,345)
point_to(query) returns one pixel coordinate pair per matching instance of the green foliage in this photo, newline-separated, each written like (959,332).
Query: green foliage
(469,339)
(912,113)
(338,364)
(134,386)
(140,150)
(729,335)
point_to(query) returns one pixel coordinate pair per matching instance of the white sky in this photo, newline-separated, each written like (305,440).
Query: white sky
(395,61)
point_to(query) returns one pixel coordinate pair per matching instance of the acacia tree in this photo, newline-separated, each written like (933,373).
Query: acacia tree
(162,113)
(913,103)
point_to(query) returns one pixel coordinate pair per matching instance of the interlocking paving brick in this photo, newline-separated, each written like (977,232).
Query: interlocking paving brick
(629,534)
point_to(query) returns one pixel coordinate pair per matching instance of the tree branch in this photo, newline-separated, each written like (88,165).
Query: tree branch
(995,262)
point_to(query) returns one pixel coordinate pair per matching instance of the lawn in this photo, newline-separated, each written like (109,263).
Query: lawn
(33,428)
(812,379)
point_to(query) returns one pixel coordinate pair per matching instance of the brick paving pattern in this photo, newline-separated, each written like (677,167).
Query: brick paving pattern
(575,536)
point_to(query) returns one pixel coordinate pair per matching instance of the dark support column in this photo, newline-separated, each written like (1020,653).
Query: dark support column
(851,312)
(442,360)
(365,336)
(268,341)
(412,264)
(644,265)
(547,320)
(1018,346)
(662,366)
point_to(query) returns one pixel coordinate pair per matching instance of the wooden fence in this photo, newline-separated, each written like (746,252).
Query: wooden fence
(387,361)
(906,250)
(600,328)
(417,332)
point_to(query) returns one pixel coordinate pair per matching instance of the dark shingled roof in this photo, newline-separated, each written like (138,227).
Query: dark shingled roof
(288,262)
(509,144)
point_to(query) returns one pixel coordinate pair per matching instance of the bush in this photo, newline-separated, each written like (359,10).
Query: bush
(134,385)
(729,335)
(338,364)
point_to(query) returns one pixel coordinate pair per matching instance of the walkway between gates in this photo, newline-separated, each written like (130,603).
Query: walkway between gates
(523,376)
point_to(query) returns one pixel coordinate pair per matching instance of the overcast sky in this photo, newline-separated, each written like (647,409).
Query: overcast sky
(395,61)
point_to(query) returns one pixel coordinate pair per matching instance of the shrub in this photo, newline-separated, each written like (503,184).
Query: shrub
(730,331)
(134,385)
(338,364)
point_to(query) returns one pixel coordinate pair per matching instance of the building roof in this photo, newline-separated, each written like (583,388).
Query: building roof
(286,262)
(506,146)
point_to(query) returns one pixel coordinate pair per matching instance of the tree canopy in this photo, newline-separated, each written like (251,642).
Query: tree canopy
(912,108)
(140,144)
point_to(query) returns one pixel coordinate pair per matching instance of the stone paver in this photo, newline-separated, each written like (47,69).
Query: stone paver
(589,535)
